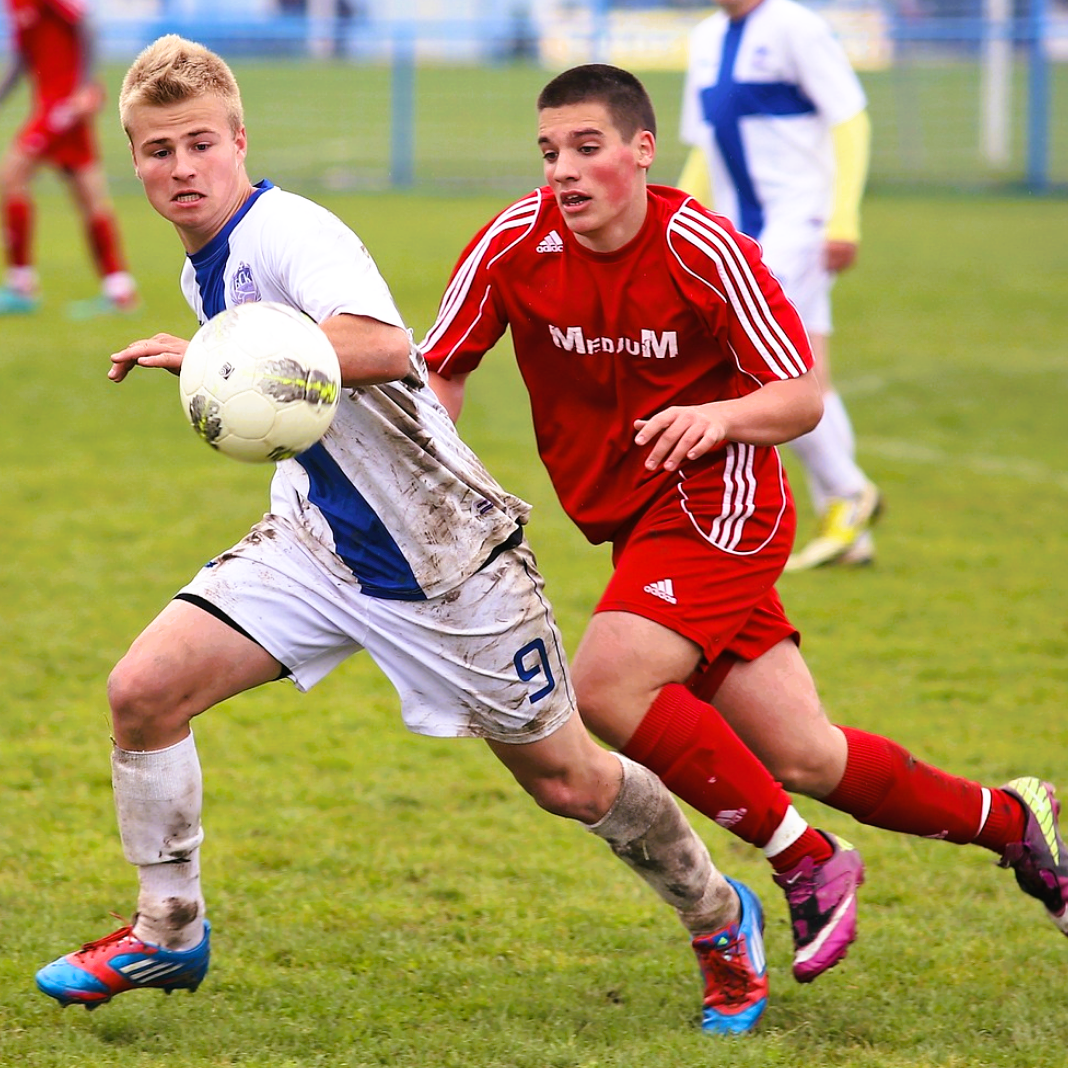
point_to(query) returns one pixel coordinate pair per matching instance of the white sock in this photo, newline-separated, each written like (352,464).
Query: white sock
(118,286)
(830,468)
(788,832)
(23,280)
(646,829)
(158,799)
(834,411)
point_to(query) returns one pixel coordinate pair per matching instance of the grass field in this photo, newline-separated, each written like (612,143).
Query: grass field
(380,899)
(385,899)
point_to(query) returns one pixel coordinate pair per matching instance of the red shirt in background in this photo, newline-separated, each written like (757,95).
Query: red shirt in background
(47,39)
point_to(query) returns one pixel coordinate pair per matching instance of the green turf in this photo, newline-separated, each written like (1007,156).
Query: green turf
(381,899)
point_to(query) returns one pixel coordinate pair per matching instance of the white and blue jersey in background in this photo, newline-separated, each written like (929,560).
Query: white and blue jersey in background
(391,490)
(762,94)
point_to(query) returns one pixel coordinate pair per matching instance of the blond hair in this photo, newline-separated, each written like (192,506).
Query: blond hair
(173,70)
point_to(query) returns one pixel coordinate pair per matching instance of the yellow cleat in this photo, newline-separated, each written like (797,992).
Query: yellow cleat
(844,535)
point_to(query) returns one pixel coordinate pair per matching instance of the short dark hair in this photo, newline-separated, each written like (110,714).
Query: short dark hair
(621,93)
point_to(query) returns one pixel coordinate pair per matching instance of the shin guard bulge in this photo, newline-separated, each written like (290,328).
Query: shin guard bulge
(700,759)
(886,786)
(158,799)
(646,829)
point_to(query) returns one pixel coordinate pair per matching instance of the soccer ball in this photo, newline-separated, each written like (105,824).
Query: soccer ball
(260,382)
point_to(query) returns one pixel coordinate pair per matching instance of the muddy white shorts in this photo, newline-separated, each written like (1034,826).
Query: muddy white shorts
(484,659)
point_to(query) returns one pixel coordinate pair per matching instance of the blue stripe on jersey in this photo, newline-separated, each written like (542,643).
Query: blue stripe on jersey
(727,102)
(360,537)
(209,263)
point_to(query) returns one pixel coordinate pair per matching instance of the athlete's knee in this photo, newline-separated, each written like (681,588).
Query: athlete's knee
(147,708)
(593,696)
(15,175)
(590,680)
(610,704)
(11,185)
(570,796)
(813,769)
(595,708)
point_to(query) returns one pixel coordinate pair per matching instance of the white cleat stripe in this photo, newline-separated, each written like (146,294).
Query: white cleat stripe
(1061,921)
(142,971)
(815,946)
(756,952)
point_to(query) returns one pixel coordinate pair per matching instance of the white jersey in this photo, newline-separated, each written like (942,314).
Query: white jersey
(762,94)
(391,492)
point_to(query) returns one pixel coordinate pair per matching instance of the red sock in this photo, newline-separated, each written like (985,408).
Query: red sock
(103,236)
(885,786)
(17,214)
(700,759)
(810,844)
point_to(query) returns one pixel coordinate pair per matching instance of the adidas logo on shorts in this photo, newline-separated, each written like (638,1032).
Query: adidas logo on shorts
(664,589)
(551,242)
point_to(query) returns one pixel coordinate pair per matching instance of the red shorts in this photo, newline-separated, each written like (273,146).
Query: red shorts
(70,149)
(726,603)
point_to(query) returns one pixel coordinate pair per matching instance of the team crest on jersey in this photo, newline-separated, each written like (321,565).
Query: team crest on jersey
(243,288)
(761,58)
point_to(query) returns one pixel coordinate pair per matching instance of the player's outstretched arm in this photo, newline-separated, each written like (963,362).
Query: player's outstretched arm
(776,413)
(162,350)
(852,152)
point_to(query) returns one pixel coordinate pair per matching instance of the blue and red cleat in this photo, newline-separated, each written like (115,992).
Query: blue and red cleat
(734,969)
(120,961)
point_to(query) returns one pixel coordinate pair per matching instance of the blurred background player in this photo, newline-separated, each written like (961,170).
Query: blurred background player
(780,130)
(53,48)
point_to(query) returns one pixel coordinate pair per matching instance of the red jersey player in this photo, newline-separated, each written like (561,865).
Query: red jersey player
(53,48)
(663,365)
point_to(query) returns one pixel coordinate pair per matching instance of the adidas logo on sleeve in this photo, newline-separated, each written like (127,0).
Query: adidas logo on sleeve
(664,589)
(551,242)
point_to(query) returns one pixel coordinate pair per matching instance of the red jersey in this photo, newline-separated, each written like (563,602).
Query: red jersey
(685,313)
(49,41)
